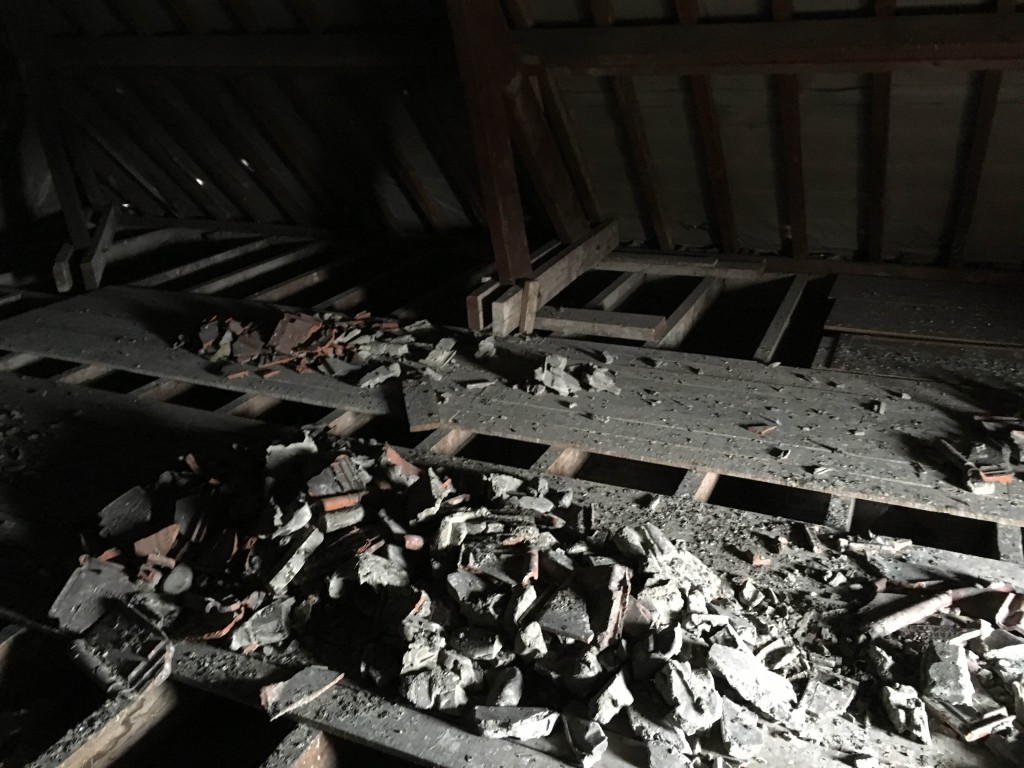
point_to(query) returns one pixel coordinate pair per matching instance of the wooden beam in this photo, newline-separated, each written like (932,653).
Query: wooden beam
(968,178)
(698,486)
(793,208)
(108,734)
(343,423)
(554,275)
(446,441)
(365,49)
(197,265)
(304,747)
(840,512)
(769,345)
(94,262)
(63,279)
(880,89)
(970,41)
(533,140)
(217,284)
(620,289)
(563,462)
(689,313)
(480,38)
(568,321)
(717,200)
(530,305)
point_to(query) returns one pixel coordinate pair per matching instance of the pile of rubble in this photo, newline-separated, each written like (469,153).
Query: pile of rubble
(993,458)
(502,605)
(362,349)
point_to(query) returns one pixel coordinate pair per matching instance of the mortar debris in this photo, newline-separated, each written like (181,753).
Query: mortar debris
(497,602)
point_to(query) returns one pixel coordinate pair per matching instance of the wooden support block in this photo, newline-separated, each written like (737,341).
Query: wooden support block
(1010,544)
(304,747)
(689,313)
(554,275)
(530,304)
(343,423)
(161,389)
(250,406)
(16,360)
(620,289)
(62,275)
(823,355)
(476,318)
(698,485)
(447,441)
(563,462)
(82,374)
(598,322)
(95,260)
(108,734)
(840,512)
(769,345)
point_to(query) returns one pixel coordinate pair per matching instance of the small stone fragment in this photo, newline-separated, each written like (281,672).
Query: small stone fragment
(948,677)
(434,689)
(770,693)
(610,699)
(301,688)
(506,688)
(907,712)
(529,641)
(270,624)
(586,738)
(522,723)
(741,734)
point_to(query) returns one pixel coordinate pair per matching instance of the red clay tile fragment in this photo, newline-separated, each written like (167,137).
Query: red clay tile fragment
(159,543)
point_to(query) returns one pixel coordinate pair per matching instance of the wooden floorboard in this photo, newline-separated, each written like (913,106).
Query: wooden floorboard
(134,329)
(830,439)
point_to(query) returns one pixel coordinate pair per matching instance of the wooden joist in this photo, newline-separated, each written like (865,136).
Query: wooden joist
(554,275)
(698,486)
(217,284)
(969,41)
(94,262)
(566,321)
(620,289)
(769,345)
(688,313)
(304,747)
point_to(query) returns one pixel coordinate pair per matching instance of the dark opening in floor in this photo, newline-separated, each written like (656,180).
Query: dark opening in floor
(45,368)
(391,431)
(659,296)
(933,529)
(626,473)
(205,730)
(119,381)
(206,398)
(289,414)
(501,450)
(737,320)
(770,499)
(583,289)
(801,339)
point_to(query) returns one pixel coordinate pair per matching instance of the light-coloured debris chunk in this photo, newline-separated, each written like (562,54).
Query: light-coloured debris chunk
(768,692)
(370,570)
(948,676)
(529,641)
(301,545)
(434,689)
(907,712)
(610,699)
(270,624)
(522,723)
(741,734)
(301,688)
(586,738)
(378,376)
(506,688)
(696,705)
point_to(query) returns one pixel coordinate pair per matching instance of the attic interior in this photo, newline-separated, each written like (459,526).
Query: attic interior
(558,383)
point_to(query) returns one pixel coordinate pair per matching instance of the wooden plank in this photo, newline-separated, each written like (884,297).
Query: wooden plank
(1009,544)
(480,35)
(970,41)
(840,513)
(698,486)
(555,274)
(304,747)
(977,326)
(475,317)
(353,714)
(532,138)
(567,321)
(219,230)
(717,200)
(925,293)
(124,189)
(82,374)
(344,423)
(394,49)
(132,329)
(567,463)
(94,261)
(530,305)
(563,126)
(293,285)
(706,405)
(968,178)
(874,207)
(769,345)
(161,389)
(620,289)
(249,406)
(108,734)
(263,267)
(688,313)
(447,441)
(198,265)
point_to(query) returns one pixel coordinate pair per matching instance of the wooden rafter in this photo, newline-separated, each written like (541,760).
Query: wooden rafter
(481,44)
(793,221)
(628,105)
(968,178)
(880,93)
(717,200)
(969,41)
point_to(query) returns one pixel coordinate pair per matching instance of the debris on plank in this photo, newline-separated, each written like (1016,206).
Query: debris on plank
(300,689)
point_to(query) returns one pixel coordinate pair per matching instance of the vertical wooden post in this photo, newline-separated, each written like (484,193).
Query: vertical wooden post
(787,94)
(486,66)
(880,91)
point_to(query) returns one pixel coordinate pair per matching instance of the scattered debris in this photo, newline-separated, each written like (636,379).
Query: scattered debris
(907,712)
(300,689)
